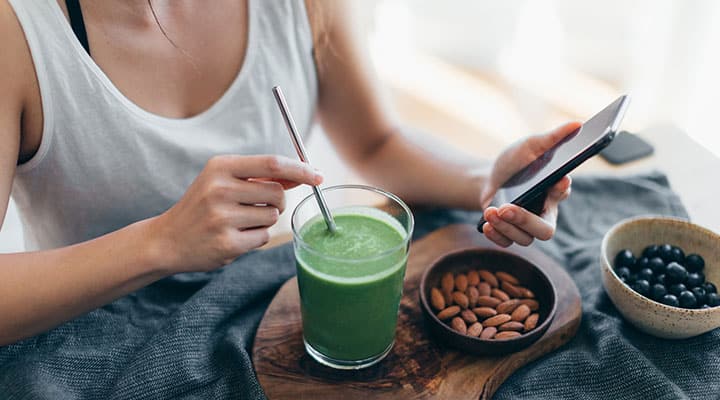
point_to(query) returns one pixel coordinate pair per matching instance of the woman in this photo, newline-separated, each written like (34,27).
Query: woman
(138,139)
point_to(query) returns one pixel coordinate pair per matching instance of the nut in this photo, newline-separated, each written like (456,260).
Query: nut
(448,298)
(511,326)
(497,320)
(511,290)
(447,283)
(469,316)
(484,289)
(460,299)
(487,301)
(499,294)
(533,304)
(531,322)
(488,332)
(436,299)
(504,276)
(472,294)
(461,282)
(449,312)
(520,313)
(527,293)
(506,307)
(459,325)
(488,277)
(506,335)
(473,278)
(484,312)
(475,329)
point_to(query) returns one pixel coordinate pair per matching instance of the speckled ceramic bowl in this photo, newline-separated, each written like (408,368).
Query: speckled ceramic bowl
(647,315)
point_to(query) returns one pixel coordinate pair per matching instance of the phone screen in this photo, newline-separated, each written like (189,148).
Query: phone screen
(595,130)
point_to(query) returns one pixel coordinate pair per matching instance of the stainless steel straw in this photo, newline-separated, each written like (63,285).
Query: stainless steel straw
(297,141)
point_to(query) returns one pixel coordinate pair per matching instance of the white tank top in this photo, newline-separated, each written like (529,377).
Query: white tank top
(105,163)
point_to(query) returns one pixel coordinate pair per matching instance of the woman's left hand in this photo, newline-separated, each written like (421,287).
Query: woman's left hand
(509,223)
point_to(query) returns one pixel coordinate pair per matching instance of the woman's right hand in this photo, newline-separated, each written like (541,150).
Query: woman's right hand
(227,210)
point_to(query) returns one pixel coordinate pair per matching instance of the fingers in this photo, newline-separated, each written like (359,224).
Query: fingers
(496,236)
(250,217)
(527,222)
(267,166)
(507,229)
(250,239)
(559,192)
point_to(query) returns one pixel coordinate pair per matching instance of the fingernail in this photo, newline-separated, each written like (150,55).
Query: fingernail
(507,214)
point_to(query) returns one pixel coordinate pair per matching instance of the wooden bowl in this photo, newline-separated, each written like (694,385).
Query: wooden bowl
(648,315)
(530,276)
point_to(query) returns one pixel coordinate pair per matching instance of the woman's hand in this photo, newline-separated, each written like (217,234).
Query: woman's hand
(512,224)
(227,210)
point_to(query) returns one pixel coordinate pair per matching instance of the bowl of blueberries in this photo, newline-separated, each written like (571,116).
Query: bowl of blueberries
(661,274)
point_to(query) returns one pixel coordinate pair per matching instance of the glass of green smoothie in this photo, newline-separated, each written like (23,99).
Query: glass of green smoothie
(351,280)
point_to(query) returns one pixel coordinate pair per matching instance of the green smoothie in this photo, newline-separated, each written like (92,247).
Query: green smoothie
(350,282)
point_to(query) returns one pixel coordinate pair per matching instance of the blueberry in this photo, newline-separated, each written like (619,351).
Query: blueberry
(646,274)
(677,288)
(650,251)
(687,299)
(642,263)
(624,258)
(670,300)
(713,299)
(695,279)
(694,263)
(631,279)
(623,273)
(665,252)
(676,273)
(700,294)
(660,279)
(657,265)
(705,306)
(677,255)
(641,286)
(657,291)
(709,287)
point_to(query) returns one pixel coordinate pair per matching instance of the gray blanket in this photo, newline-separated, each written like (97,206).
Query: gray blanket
(190,336)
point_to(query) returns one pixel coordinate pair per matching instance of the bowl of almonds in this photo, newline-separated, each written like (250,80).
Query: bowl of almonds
(486,301)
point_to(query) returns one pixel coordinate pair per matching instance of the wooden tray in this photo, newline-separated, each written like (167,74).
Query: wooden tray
(417,368)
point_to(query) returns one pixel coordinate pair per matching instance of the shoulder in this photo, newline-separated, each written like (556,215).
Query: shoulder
(17,76)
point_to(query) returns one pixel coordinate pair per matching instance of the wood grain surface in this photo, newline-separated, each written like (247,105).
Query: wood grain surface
(417,367)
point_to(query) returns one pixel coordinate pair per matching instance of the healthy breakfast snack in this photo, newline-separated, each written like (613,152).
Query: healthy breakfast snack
(665,274)
(483,304)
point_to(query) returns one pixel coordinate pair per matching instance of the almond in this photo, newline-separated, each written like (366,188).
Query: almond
(468,316)
(484,312)
(475,329)
(506,307)
(461,282)
(484,289)
(472,294)
(506,335)
(436,299)
(459,325)
(497,320)
(511,290)
(488,277)
(449,312)
(511,326)
(499,294)
(533,304)
(527,293)
(504,276)
(520,313)
(487,301)
(531,322)
(460,299)
(488,332)
(448,298)
(447,283)
(473,278)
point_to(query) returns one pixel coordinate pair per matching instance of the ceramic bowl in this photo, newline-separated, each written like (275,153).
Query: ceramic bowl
(647,315)
(493,260)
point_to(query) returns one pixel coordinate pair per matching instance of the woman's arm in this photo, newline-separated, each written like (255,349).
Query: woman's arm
(215,221)
(354,115)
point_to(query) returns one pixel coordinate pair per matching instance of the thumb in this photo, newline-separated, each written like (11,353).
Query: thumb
(542,143)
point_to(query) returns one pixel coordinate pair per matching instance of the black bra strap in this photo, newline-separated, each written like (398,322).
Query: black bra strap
(78,22)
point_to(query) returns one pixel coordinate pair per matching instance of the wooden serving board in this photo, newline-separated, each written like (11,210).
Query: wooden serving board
(417,367)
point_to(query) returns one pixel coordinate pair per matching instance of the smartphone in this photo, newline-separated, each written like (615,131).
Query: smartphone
(626,147)
(528,187)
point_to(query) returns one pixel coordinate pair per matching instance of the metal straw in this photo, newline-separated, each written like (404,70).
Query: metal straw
(297,141)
